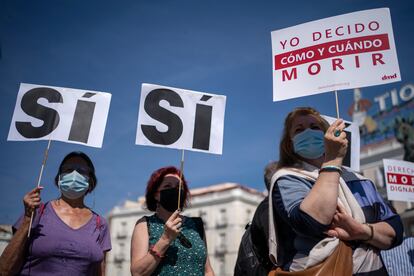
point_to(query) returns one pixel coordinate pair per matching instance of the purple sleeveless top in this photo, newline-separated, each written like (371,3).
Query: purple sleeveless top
(57,249)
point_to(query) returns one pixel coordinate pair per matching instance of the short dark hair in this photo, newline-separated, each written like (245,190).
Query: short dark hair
(155,181)
(93,181)
(269,171)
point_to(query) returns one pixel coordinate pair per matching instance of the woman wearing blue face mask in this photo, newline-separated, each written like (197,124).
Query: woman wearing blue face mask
(66,237)
(325,203)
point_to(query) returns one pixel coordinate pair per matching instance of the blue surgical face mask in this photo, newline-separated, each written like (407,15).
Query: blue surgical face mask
(309,143)
(73,185)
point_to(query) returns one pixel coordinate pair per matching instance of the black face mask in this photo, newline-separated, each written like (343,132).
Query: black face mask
(169,199)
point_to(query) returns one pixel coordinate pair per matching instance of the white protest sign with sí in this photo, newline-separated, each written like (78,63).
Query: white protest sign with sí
(341,52)
(182,119)
(61,114)
(399,178)
(352,157)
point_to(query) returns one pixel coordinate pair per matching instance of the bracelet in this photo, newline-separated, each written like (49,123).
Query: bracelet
(331,168)
(154,252)
(371,235)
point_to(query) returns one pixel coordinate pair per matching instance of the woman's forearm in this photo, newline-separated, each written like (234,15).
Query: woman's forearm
(144,266)
(383,235)
(12,258)
(147,264)
(322,200)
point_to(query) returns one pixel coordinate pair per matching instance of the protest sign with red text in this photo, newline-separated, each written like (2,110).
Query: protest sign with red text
(399,177)
(341,52)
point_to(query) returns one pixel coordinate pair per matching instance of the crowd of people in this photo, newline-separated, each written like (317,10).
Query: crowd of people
(316,210)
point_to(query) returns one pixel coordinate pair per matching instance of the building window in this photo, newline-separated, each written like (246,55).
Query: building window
(380,182)
(119,269)
(380,177)
(222,239)
(221,245)
(120,254)
(248,215)
(222,218)
(203,215)
(122,233)
(222,265)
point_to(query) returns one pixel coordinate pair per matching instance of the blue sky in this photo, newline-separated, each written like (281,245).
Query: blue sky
(220,47)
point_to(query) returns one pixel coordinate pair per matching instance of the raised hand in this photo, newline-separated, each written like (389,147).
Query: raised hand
(31,201)
(336,146)
(172,227)
(346,228)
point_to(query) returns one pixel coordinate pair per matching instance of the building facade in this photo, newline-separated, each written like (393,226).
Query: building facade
(225,209)
(372,167)
(386,124)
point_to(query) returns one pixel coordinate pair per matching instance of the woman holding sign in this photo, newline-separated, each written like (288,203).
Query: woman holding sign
(331,210)
(168,243)
(66,237)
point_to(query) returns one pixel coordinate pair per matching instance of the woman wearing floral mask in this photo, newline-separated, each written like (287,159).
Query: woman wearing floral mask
(168,243)
(325,203)
(66,237)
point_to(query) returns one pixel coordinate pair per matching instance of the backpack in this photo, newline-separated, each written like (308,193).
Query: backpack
(248,262)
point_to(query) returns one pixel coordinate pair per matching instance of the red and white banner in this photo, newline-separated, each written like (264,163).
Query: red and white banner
(341,52)
(399,177)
